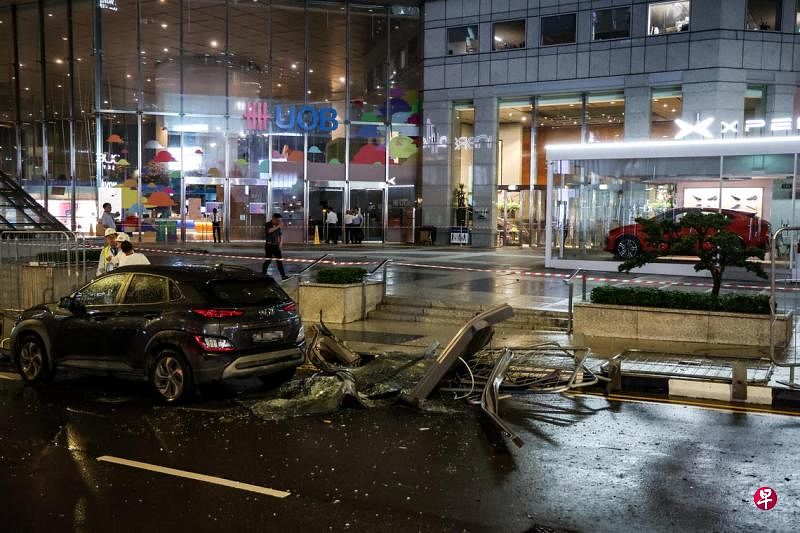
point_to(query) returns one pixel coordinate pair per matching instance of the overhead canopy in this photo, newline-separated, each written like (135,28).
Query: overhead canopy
(18,211)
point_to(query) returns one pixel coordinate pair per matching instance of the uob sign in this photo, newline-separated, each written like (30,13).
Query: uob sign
(304,118)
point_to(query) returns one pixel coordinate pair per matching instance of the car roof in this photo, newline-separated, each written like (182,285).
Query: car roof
(194,273)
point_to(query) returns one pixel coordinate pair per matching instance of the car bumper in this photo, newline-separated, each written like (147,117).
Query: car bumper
(259,364)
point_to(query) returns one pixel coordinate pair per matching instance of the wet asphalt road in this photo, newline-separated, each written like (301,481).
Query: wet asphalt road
(588,464)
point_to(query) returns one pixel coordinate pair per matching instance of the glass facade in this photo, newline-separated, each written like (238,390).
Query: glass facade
(169,110)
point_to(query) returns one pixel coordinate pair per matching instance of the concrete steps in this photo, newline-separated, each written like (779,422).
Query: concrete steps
(457,313)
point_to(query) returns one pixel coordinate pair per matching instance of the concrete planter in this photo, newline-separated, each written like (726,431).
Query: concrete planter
(708,327)
(340,304)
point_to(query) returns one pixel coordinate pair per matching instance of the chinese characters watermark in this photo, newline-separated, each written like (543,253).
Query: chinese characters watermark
(765,498)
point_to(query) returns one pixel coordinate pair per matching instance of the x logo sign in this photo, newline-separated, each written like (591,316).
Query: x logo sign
(700,128)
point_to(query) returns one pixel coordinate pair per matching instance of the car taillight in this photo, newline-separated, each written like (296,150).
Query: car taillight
(218,313)
(289,308)
(214,344)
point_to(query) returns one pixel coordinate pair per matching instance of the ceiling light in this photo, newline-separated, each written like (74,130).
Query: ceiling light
(127,76)
(309,92)
(64,39)
(279,85)
(294,65)
(60,61)
(673,111)
(148,79)
(49,14)
(213,44)
(166,49)
(311,71)
(524,119)
(59,85)
(341,79)
(498,39)
(665,105)
(164,24)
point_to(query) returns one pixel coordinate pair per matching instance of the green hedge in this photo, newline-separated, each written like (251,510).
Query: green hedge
(341,275)
(92,256)
(697,301)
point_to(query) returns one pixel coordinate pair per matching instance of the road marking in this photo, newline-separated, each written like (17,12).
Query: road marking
(191,475)
(699,405)
(10,376)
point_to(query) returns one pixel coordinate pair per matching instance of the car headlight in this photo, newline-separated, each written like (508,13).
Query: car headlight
(301,334)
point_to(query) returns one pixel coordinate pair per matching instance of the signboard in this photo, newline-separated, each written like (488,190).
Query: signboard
(304,118)
(706,127)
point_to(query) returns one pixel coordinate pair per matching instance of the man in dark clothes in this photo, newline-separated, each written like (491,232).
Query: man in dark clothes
(272,245)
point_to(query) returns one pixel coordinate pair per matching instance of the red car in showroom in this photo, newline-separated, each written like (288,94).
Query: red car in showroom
(626,242)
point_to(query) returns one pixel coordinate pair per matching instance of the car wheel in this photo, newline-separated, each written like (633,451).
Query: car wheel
(628,247)
(171,377)
(271,380)
(32,361)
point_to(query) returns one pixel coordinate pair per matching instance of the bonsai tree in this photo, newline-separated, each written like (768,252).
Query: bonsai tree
(701,234)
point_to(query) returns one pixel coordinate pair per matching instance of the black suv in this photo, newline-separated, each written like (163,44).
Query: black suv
(173,326)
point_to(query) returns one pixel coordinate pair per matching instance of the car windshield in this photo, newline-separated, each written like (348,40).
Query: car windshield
(243,292)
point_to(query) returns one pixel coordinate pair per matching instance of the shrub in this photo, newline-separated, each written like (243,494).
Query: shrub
(341,275)
(696,301)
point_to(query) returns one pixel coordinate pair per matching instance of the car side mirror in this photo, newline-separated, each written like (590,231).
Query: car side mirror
(65,302)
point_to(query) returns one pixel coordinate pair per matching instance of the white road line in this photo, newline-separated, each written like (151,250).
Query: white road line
(191,475)
(10,376)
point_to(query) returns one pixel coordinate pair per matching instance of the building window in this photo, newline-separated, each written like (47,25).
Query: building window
(763,15)
(605,116)
(754,111)
(558,29)
(666,105)
(462,161)
(797,17)
(462,40)
(668,17)
(508,35)
(611,23)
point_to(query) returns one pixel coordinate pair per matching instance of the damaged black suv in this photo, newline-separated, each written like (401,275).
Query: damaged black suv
(175,327)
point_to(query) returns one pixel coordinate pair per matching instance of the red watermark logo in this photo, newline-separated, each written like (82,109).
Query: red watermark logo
(765,498)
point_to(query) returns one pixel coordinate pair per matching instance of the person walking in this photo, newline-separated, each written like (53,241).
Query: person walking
(273,244)
(216,225)
(128,257)
(108,252)
(332,220)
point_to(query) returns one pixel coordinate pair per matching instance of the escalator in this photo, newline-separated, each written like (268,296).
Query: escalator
(20,212)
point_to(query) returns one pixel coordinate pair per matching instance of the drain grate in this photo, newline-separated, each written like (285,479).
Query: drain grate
(688,366)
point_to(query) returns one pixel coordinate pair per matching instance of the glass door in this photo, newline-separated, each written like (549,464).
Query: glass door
(367,199)
(323,198)
(248,209)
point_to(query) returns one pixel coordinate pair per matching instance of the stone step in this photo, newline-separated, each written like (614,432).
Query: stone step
(544,324)
(462,309)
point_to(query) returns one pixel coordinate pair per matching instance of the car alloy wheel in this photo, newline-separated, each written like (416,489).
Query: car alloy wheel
(32,360)
(628,248)
(171,377)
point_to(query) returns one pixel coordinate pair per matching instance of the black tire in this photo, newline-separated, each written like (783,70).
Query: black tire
(627,247)
(32,360)
(278,378)
(171,377)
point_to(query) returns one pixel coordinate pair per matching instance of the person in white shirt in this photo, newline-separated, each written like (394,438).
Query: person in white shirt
(348,227)
(332,220)
(216,225)
(121,237)
(128,257)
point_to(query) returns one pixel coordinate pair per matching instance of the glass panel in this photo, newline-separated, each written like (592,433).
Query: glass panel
(248,212)
(605,116)
(287,185)
(206,76)
(462,40)
(368,68)
(288,44)
(402,215)
(797,16)
(161,56)
(508,35)
(513,172)
(119,59)
(558,29)
(668,17)
(754,108)
(666,105)
(30,73)
(462,165)
(558,121)
(367,203)
(326,212)
(611,23)
(7,105)
(763,15)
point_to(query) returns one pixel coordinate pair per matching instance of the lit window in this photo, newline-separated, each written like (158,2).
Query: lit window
(763,15)
(558,29)
(462,40)
(668,17)
(611,23)
(508,35)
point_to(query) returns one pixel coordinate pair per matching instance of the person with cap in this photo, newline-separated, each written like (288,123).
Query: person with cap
(127,256)
(108,252)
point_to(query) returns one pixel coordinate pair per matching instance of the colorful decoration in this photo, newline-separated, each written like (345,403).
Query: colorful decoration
(114,138)
(370,154)
(164,157)
(123,163)
(214,172)
(402,147)
(159,199)
(198,151)
(153,145)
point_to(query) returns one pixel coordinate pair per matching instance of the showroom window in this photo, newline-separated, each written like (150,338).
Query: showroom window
(611,23)
(508,35)
(668,17)
(666,105)
(462,40)
(558,29)
(763,15)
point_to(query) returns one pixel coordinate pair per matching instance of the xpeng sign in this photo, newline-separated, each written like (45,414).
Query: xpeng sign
(706,128)
(302,119)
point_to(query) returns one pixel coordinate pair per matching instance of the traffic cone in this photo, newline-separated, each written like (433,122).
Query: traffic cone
(316,234)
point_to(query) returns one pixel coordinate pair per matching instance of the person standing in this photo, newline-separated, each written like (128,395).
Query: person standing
(107,218)
(129,257)
(358,232)
(216,225)
(107,253)
(332,220)
(273,244)
(348,227)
